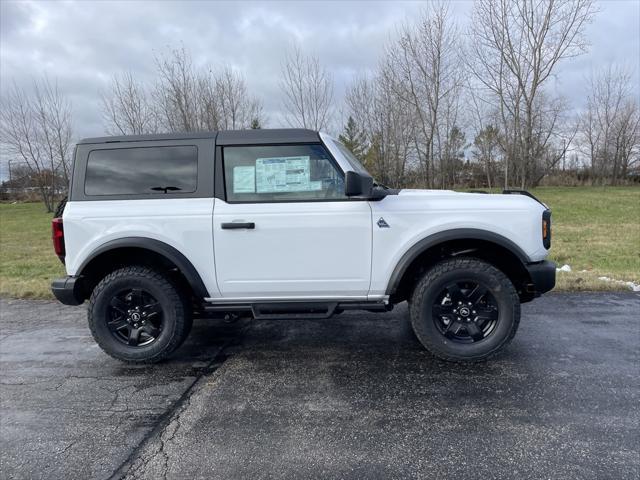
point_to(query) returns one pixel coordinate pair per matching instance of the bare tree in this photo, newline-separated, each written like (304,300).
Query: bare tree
(35,129)
(487,149)
(610,126)
(307,90)
(183,99)
(188,99)
(425,74)
(236,108)
(127,109)
(514,49)
(554,129)
(386,129)
(176,93)
(409,109)
(60,129)
(486,144)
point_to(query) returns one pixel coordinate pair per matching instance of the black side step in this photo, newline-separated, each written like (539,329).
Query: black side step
(272,311)
(296,310)
(368,306)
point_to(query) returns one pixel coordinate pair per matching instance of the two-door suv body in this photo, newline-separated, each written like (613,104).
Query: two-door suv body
(158,229)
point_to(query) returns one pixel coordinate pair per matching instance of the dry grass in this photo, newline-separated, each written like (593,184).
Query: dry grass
(594,229)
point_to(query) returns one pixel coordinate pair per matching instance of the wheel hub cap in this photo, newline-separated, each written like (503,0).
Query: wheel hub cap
(135,317)
(465,311)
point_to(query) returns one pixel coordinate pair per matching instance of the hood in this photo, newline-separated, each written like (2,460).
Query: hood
(415,191)
(468,200)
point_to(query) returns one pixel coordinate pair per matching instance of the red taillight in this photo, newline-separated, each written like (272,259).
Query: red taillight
(57,235)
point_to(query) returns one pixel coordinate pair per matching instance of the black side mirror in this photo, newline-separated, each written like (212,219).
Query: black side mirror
(357,184)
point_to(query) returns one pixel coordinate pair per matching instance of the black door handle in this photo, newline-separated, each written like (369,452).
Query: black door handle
(234,225)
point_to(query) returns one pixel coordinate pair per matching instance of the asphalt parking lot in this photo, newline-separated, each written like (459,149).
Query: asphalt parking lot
(350,397)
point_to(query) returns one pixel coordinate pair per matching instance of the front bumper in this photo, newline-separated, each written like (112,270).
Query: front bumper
(68,290)
(543,277)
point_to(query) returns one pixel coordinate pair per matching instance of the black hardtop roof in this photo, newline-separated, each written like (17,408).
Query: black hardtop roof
(223,137)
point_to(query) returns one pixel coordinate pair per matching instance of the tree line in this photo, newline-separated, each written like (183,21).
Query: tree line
(444,107)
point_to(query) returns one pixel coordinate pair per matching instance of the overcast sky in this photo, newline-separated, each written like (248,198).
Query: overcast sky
(83,44)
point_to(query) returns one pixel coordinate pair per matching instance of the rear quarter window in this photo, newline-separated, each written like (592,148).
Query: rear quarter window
(142,170)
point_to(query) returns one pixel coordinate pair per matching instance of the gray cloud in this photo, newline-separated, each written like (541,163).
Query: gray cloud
(83,44)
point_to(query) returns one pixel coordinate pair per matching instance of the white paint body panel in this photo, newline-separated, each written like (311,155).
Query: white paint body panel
(416,214)
(306,250)
(297,250)
(183,223)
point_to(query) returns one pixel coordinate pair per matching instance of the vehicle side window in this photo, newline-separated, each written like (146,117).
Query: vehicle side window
(281,173)
(142,171)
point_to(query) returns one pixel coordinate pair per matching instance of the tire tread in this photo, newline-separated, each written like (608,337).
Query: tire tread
(466,263)
(182,321)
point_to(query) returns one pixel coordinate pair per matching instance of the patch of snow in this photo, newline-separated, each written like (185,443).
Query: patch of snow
(564,268)
(632,286)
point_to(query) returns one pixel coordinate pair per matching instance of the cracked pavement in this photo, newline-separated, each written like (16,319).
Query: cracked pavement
(354,396)
(67,410)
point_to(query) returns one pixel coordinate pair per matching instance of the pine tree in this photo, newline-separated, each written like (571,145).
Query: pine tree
(255,124)
(354,139)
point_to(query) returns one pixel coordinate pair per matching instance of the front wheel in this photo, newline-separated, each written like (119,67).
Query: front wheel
(138,315)
(464,310)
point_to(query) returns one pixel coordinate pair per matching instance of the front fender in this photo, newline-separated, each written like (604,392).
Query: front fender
(449,235)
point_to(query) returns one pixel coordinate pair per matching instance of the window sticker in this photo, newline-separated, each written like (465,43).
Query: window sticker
(315,186)
(284,174)
(244,179)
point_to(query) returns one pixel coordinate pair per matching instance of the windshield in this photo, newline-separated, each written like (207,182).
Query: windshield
(355,163)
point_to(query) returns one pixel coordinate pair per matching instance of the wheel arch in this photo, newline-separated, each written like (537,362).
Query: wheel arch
(489,246)
(138,250)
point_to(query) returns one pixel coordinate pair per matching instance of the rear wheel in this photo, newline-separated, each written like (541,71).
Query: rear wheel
(464,309)
(138,315)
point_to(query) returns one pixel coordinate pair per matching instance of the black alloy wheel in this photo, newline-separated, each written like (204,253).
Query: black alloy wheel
(135,317)
(465,312)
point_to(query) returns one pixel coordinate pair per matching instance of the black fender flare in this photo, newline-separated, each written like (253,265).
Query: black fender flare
(167,251)
(446,236)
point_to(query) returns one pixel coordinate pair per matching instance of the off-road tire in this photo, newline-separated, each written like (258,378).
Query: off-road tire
(176,310)
(434,280)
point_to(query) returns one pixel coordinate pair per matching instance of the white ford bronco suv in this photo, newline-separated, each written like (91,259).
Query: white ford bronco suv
(159,229)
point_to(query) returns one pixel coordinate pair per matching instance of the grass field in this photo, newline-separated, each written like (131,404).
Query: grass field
(596,231)
(27,261)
